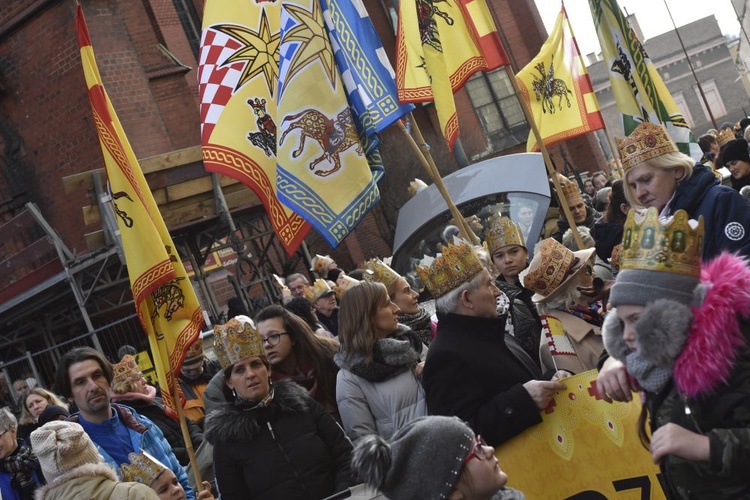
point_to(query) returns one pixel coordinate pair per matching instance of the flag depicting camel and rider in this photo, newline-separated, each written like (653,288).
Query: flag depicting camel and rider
(293,95)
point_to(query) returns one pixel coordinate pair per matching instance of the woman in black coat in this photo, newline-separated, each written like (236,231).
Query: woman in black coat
(271,440)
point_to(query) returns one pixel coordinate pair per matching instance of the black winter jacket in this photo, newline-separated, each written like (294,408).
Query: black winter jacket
(471,373)
(291,449)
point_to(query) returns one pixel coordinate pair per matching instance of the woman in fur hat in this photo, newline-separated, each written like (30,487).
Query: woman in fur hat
(681,328)
(272,440)
(377,387)
(432,457)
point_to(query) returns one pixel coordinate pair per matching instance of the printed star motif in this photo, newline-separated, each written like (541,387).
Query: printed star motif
(260,50)
(313,37)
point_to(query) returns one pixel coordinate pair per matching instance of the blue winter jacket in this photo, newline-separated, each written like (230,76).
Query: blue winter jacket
(145,436)
(726,214)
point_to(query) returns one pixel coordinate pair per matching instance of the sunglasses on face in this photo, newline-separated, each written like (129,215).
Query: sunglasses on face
(479,450)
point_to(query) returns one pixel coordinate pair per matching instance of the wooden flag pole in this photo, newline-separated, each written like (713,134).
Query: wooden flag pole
(545,154)
(186,434)
(615,154)
(423,153)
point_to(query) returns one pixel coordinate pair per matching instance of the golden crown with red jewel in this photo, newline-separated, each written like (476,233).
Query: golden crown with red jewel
(457,264)
(647,141)
(237,339)
(674,247)
(725,136)
(502,232)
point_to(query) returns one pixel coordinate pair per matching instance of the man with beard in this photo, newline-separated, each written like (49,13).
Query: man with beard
(84,376)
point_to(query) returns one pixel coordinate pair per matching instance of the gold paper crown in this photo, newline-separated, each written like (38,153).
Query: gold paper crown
(569,188)
(549,268)
(502,232)
(320,264)
(126,373)
(317,290)
(457,264)
(674,247)
(380,272)
(725,136)
(237,340)
(647,141)
(143,468)
(344,283)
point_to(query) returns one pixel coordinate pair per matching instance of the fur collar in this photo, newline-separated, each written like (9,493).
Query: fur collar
(715,336)
(86,470)
(703,342)
(232,424)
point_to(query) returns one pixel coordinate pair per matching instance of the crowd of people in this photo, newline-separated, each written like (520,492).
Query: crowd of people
(354,385)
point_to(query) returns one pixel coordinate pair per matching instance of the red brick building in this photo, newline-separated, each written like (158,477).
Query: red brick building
(147,55)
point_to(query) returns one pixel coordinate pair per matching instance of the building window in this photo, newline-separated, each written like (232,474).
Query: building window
(713,98)
(190,22)
(679,99)
(498,109)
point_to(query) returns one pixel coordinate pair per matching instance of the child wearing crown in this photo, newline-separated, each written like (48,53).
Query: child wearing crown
(681,327)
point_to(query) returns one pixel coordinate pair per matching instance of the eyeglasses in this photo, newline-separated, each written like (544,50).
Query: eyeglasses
(274,338)
(479,450)
(3,433)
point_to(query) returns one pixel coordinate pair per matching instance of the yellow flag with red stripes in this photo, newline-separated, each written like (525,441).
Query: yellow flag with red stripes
(558,90)
(165,301)
(439,45)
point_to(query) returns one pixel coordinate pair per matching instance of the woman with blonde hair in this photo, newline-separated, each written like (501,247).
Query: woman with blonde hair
(33,405)
(658,175)
(377,388)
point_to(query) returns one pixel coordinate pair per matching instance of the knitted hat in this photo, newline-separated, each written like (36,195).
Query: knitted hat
(62,446)
(641,287)
(736,150)
(127,374)
(424,459)
(51,412)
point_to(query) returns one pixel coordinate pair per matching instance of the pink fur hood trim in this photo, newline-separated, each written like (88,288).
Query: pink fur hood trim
(715,336)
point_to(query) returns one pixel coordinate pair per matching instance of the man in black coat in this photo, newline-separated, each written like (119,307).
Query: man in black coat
(473,370)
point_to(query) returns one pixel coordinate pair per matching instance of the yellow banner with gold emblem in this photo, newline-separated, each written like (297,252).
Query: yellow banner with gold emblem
(584,448)
(165,301)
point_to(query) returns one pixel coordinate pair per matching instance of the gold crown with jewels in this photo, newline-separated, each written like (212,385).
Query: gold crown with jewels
(457,264)
(237,339)
(647,141)
(673,247)
(318,289)
(379,271)
(502,232)
(142,468)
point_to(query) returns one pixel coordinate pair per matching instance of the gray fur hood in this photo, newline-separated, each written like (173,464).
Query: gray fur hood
(232,423)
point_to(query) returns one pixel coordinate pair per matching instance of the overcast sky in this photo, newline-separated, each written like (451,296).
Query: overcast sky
(652,16)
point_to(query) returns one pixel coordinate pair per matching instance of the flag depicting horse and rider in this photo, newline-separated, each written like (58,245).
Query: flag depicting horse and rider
(557,88)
